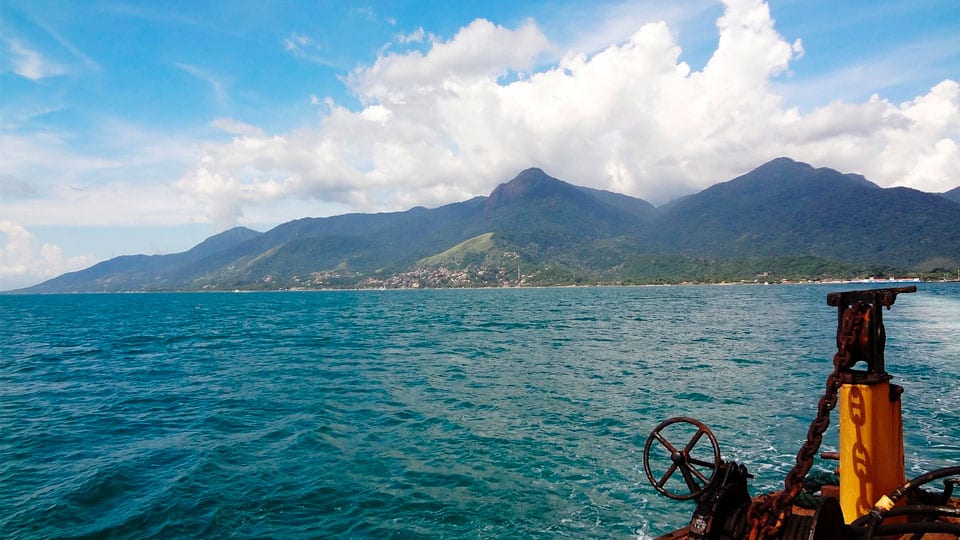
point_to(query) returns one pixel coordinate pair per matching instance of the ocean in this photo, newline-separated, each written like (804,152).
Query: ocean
(495,413)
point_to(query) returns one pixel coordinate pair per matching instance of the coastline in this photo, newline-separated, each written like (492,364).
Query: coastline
(866,281)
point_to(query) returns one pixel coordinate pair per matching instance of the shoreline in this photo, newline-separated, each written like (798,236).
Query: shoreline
(876,282)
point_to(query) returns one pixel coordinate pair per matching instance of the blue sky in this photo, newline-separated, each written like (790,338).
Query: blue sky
(133,127)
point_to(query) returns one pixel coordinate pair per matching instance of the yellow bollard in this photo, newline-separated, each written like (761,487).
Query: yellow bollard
(871,445)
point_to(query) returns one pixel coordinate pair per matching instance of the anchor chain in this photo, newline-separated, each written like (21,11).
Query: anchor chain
(767,514)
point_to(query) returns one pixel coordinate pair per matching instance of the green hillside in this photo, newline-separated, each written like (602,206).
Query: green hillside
(782,221)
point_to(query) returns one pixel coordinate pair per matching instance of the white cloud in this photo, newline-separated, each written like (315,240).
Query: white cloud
(376,113)
(451,122)
(78,55)
(481,49)
(236,127)
(112,204)
(115,151)
(417,36)
(366,12)
(913,144)
(23,264)
(45,181)
(907,65)
(297,42)
(44,154)
(13,189)
(29,63)
(218,87)
(305,48)
(582,27)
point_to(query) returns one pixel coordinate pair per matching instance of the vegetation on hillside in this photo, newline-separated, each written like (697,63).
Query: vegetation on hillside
(783,221)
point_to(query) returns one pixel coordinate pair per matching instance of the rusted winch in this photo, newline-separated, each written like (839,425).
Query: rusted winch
(869,498)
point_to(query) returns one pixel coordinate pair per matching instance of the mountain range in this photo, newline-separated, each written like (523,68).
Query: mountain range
(783,220)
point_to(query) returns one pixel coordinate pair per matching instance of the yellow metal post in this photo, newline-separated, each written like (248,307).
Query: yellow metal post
(871,445)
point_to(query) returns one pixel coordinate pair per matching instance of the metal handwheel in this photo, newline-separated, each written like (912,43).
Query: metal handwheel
(682,458)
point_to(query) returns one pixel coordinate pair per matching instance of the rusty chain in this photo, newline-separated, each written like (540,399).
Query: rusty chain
(767,514)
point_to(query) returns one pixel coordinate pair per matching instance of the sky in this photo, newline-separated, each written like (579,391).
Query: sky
(144,127)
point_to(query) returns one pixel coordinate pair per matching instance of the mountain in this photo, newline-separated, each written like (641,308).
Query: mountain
(790,208)
(784,217)
(141,272)
(953,194)
(533,213)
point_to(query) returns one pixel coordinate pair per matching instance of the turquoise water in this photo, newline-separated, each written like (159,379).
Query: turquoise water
(507,413)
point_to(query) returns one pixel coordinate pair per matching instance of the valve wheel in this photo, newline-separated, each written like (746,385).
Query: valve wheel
(697,473)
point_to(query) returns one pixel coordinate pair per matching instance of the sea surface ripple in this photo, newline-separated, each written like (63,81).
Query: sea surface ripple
(505,413)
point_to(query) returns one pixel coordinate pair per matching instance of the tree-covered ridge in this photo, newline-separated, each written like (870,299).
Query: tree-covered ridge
(782,221)
(953,194)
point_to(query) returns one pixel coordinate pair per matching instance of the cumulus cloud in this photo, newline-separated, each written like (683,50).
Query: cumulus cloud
(912,144)
(452,121)
(22,263)
(480,50)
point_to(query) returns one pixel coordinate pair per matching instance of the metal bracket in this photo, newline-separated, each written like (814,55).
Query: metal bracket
(867,316)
